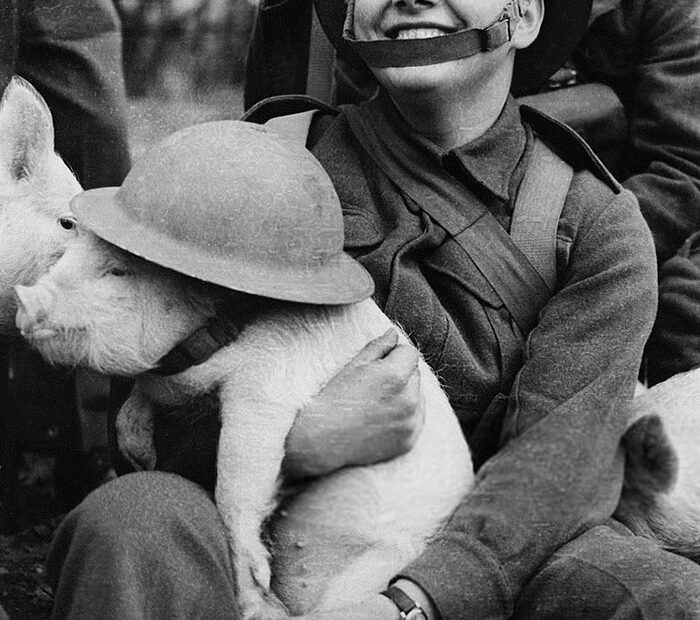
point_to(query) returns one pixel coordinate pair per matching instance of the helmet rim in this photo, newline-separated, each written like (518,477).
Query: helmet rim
(282,239)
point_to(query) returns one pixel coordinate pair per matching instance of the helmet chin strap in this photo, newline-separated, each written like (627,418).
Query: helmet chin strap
(418,52)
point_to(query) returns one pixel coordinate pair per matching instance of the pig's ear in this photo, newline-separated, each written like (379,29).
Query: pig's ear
(26,128)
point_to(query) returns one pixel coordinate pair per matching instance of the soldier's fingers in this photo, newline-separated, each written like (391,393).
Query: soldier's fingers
(376,349)
(401,362)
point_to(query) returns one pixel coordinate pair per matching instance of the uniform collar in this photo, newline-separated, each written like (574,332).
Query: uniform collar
(488,161)
(491,159)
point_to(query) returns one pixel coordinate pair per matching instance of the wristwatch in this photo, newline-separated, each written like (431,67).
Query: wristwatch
(408,608)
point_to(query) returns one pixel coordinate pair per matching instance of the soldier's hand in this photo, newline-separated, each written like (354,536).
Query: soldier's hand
(370,411)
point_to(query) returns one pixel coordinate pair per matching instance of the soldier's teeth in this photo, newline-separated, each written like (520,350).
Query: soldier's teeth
(419,33)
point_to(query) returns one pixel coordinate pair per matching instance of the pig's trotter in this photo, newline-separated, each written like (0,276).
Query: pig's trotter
(134,426)
(252,575)
(254,605)
(252,567)
(140,457)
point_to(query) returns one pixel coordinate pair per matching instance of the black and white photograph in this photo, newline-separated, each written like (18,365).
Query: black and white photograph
(349,309)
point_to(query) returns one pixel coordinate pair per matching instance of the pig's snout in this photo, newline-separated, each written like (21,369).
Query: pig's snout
(33,306)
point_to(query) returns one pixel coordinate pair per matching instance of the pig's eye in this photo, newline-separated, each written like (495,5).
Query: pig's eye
(67,222)
(118,271)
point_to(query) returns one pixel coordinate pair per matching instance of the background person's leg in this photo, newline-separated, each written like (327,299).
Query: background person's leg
(609,573)
(147,545)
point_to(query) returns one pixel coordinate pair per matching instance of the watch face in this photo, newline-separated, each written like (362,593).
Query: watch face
(416,614)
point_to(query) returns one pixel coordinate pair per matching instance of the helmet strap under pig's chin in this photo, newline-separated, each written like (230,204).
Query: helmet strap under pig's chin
(199,346)
(218,331)
(381,53)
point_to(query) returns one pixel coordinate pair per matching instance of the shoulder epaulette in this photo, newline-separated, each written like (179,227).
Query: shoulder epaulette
(284,105)
(568,144)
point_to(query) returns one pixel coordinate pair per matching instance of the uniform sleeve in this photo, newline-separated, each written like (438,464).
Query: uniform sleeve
(665,122)
(560,467)
(71,53)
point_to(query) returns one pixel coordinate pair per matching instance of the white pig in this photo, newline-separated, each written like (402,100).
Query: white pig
(661,496)
(35,189)
(345,535)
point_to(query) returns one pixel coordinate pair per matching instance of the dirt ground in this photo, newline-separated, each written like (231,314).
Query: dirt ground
(24,590)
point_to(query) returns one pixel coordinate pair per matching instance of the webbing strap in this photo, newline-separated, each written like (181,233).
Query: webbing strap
(320,71)
(506,268)
(285,105)
(521,266)
(453,46)
(416,52)
(199,346)
(540,199)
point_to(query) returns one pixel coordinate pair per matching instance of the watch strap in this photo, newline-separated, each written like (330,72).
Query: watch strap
(408,608)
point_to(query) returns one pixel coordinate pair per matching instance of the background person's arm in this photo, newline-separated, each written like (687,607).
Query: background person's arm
(649,52)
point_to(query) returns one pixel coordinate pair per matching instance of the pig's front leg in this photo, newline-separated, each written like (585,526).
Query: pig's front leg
(251,448)
(134,426)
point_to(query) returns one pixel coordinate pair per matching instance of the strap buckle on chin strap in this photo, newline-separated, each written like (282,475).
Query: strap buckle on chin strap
(512,13)
(496,34)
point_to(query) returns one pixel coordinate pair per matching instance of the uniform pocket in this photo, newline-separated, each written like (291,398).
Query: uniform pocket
(361,230)
(452,264)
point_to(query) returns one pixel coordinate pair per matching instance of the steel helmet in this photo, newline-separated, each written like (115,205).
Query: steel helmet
(234,204)
(564,24)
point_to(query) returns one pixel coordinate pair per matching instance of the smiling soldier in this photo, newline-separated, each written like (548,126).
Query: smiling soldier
(539,360)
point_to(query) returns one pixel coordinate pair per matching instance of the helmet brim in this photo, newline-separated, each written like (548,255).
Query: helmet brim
(341,280)
(563,26)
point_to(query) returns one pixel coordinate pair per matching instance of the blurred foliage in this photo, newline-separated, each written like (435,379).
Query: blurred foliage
(173,48)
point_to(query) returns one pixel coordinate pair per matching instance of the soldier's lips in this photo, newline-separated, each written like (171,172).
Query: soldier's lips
(418,31)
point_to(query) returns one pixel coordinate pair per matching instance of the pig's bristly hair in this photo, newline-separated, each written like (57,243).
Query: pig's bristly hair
(71,348)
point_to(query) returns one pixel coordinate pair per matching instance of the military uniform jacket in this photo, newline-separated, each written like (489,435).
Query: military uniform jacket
(545,410)
(647,51)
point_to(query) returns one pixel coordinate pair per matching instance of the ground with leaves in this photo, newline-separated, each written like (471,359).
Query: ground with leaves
(24,590)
